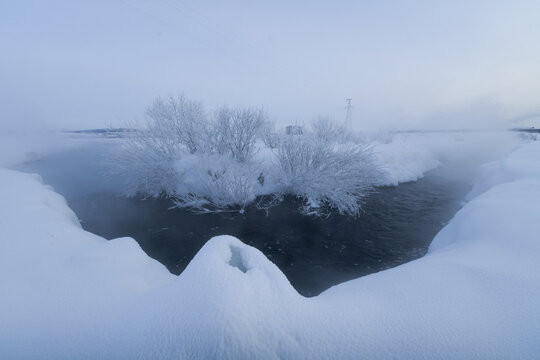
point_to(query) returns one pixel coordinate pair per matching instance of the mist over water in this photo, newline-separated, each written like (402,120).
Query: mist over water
(396,225)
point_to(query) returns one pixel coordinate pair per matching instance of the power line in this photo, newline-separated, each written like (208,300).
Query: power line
(205,22)
(216,28)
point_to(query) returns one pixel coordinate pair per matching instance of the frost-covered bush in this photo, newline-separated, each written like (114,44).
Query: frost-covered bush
(180,121)
(211,183)
(146,159)
(225,162)
(222,175)
(329,131)
(324,174)
(236,131)
(145,163)
(201,163)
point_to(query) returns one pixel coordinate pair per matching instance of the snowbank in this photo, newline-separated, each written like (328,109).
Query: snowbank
(69,294)
(56,278)
(408,156)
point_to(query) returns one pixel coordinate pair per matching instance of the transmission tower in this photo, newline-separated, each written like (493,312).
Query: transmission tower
(348,114)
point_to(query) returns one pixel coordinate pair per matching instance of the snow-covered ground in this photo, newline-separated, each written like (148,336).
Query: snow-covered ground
(66,293)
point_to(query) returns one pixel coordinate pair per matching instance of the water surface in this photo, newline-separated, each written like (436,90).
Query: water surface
(396,226)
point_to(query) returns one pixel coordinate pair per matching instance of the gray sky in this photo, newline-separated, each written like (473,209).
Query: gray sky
(405,64)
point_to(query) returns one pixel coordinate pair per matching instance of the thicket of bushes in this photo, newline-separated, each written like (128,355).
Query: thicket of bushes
(231,158)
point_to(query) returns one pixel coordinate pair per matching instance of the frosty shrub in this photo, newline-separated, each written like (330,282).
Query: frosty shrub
(214,183)
(236,131)
(178,120)
(145,163)
(201,163)
(222,176)
(225,162)
(326,175)
(329,131)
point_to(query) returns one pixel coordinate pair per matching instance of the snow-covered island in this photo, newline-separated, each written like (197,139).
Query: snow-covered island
(66,293)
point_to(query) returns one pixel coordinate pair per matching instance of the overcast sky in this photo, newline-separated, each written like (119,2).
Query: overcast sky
(405,64)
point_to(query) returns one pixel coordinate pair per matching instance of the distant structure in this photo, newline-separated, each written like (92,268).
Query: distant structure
(348,114)
(294,130)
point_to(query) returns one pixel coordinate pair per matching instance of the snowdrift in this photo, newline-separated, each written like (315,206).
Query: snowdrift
(66,293)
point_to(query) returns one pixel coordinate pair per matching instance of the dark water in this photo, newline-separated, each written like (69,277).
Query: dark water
(396,226)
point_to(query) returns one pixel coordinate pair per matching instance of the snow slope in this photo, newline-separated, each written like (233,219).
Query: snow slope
(66,293)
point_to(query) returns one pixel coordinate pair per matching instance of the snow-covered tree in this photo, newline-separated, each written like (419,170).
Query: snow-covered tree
(223,163)
(178,120)
(237,131)
(329,131)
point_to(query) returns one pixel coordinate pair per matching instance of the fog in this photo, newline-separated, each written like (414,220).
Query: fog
(406,65)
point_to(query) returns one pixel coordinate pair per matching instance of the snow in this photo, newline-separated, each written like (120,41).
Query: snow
(55,277)
(69,294)
(408,156)
(402,160)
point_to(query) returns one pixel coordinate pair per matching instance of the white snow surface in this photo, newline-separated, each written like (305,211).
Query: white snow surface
(66,293)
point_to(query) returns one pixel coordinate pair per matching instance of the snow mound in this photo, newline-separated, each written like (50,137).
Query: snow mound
(69,294)
(228,303)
